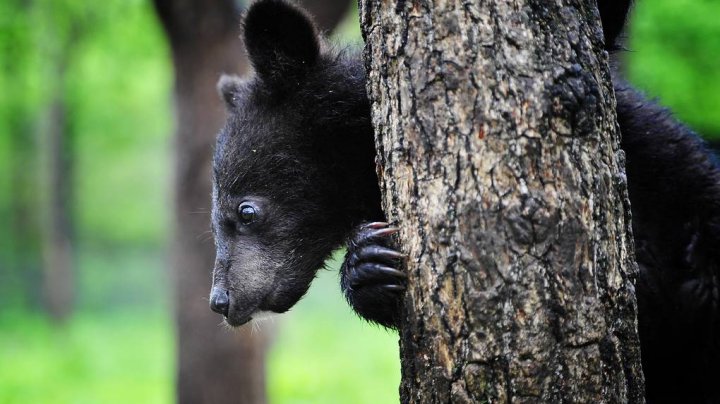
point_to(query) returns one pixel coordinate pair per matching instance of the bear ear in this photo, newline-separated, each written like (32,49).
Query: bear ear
(231,89)
(281,40)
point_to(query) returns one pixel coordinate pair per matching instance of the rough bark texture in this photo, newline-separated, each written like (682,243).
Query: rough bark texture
(498,155)
(214,365)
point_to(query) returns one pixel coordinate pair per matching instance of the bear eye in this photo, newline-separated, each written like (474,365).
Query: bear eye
(247,213)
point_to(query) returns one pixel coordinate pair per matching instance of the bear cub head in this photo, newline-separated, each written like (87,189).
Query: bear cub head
(293,169)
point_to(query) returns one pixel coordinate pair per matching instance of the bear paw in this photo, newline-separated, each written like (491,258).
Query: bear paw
(370,278)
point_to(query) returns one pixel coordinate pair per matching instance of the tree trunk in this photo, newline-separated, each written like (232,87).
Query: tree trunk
(58,240)
(326,13)
(498,155)
(214,365)
(59,233)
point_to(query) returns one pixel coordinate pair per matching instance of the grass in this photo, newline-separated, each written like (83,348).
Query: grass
(116,351)
(120,358)
(325,354)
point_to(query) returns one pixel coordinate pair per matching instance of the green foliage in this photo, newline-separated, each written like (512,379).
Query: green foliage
(675,55)
(116,358)
(19,77)
(325,354)
(117,351)
(109,61)
(122,85)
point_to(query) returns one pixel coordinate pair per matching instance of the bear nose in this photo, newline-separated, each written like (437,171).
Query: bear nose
(220,301)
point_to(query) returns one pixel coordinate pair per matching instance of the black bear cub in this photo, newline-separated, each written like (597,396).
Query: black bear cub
(294,178)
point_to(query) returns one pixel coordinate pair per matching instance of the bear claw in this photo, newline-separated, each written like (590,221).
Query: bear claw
(369,277)
(373,252)
(367,273)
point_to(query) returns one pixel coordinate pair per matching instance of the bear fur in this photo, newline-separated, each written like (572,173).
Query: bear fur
(294,178)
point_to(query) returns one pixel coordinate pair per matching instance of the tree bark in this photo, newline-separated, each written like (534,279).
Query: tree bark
(498,155)
(58,268)
(68,28)
(58,282)
(214,365)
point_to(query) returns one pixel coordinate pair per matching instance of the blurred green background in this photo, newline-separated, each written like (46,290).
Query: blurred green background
(109,64)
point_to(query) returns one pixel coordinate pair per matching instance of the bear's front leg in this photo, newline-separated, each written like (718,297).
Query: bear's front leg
(370,278)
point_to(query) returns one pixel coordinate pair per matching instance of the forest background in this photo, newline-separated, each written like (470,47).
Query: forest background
(104,68)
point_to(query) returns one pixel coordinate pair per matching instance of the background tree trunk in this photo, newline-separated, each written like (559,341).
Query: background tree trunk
(58,268)
(58,281)
(498,155)
(214,365)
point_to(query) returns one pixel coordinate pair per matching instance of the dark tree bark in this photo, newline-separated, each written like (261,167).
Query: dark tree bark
(214,365)
(498,155)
